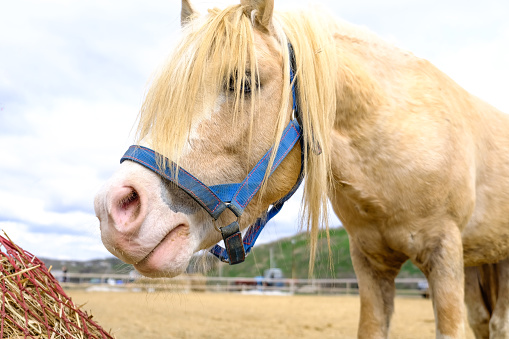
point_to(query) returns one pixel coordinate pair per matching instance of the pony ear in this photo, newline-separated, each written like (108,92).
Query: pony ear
(187,12)
(260,12)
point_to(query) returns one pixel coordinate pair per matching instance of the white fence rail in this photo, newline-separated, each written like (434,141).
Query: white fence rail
(198,283)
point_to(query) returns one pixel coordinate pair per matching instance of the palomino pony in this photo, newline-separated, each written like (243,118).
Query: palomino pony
(415,167)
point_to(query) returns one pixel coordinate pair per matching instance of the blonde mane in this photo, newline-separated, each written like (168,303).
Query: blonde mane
(185,86)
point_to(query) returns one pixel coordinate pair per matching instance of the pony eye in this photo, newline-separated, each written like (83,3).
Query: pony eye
(244,87)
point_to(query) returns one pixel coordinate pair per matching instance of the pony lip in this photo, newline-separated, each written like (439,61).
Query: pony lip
(156,258)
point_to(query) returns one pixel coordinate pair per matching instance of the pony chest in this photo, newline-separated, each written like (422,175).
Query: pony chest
(354,202)
(378,179)
(354,193)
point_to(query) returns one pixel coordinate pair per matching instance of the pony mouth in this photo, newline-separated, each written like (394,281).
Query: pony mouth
(148,263)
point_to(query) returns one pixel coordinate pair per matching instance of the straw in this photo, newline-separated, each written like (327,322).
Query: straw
(34,305)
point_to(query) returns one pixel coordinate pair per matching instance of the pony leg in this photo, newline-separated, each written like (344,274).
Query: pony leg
(377,290)
(441,260)
(499,324)
(479,311)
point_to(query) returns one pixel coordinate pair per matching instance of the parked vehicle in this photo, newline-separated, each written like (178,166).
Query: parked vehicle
(423,287)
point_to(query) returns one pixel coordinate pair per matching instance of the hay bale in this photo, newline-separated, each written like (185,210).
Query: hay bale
(33,304)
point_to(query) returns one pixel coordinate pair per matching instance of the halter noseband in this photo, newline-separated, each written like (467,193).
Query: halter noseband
(235,197)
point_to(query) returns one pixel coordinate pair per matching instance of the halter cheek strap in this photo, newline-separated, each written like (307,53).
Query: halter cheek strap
(245,194)
(285,146)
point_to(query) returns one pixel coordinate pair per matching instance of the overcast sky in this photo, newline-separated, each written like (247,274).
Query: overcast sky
(72,79)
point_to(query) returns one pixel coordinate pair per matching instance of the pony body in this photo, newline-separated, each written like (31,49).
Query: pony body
(422,178)
(413,165)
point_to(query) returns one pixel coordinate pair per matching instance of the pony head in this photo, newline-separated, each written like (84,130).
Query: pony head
(217,106)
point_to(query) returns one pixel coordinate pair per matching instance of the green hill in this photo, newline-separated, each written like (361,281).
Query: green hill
(294,252)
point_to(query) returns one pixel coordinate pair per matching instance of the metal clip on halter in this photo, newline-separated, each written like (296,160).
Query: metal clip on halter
(233,243)
(233,238)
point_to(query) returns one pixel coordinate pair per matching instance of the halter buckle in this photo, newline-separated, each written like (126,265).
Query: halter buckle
(232,237)
(233,243)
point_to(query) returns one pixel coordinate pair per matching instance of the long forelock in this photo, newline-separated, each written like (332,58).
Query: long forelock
(212,50)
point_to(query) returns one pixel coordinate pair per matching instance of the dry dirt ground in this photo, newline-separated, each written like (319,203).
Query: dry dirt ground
(209,315)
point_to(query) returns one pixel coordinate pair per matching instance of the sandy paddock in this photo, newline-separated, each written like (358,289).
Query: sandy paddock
(210,315)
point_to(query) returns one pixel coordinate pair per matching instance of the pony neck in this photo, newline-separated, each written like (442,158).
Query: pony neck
(358,95)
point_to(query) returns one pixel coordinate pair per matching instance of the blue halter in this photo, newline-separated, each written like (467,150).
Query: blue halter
(235,197)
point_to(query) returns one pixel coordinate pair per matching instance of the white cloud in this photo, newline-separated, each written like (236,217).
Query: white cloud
(55,244)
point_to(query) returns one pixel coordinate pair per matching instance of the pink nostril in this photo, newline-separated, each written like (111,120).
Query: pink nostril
(126,206)
(129,200)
